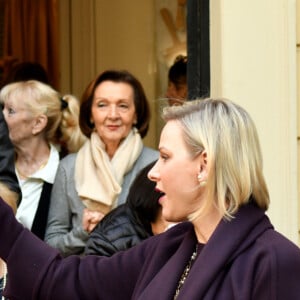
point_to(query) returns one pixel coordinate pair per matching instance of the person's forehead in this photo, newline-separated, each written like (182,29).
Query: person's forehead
(114,90)
(171,133)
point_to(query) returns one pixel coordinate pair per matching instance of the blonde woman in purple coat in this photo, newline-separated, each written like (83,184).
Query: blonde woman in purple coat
(210,178)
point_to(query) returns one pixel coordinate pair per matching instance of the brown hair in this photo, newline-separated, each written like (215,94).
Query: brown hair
(140,101)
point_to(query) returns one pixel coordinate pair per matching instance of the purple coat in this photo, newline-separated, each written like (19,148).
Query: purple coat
(244,259)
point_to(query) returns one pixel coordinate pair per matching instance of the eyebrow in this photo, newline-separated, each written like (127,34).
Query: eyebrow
(162,148)
(107,99)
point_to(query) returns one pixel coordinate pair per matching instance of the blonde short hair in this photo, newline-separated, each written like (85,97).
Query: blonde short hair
(228,135)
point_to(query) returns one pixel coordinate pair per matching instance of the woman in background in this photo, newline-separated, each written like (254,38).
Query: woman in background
(114,116)
(130,223)
(177,90)
(39,121)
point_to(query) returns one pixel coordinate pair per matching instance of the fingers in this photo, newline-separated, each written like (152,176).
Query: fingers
(90,219)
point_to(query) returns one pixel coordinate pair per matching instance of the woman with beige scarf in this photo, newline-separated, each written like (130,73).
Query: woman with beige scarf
(114,115)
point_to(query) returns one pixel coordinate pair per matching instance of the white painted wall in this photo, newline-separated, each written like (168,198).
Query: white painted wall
(253,59)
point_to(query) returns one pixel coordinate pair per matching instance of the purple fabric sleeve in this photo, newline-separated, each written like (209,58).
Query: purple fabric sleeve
(38,271)
(10,228)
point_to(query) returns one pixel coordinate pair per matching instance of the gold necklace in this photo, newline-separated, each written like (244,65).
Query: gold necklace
(186,272)
(25,176)
(20,173)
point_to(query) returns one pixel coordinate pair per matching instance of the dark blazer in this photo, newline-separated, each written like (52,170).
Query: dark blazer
(119,230)
(7,160)
(244,259)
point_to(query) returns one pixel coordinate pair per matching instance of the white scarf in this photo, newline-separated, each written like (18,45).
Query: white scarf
(98,179)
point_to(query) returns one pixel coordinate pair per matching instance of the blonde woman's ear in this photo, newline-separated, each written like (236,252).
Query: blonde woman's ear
(39,124)
(203,168)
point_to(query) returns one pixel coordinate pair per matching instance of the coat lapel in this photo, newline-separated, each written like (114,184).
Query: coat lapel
(229,239)
(164,284)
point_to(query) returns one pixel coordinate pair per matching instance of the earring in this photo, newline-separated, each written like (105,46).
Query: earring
(200,180)
(199,177)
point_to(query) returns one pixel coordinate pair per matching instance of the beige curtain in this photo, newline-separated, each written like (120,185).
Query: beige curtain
(31,34)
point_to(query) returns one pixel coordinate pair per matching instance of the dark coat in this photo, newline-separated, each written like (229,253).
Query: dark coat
(119,230)
(244,259)
(7,159)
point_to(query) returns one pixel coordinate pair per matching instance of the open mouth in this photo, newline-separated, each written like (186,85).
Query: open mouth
(161,194)
(159,191)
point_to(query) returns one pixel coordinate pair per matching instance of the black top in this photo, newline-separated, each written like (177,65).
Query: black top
(119,230)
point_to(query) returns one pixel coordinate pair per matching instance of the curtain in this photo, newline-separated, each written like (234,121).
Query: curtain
(31,34)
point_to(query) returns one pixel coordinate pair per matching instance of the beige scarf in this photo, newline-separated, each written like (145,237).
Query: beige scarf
(98,179)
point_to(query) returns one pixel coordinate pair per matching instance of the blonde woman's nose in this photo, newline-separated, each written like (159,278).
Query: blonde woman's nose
(153,174)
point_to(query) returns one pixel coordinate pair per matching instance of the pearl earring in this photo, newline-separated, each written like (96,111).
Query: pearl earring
(199,177)
(202,182)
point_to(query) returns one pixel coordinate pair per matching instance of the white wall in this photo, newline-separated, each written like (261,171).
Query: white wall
(253,59)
